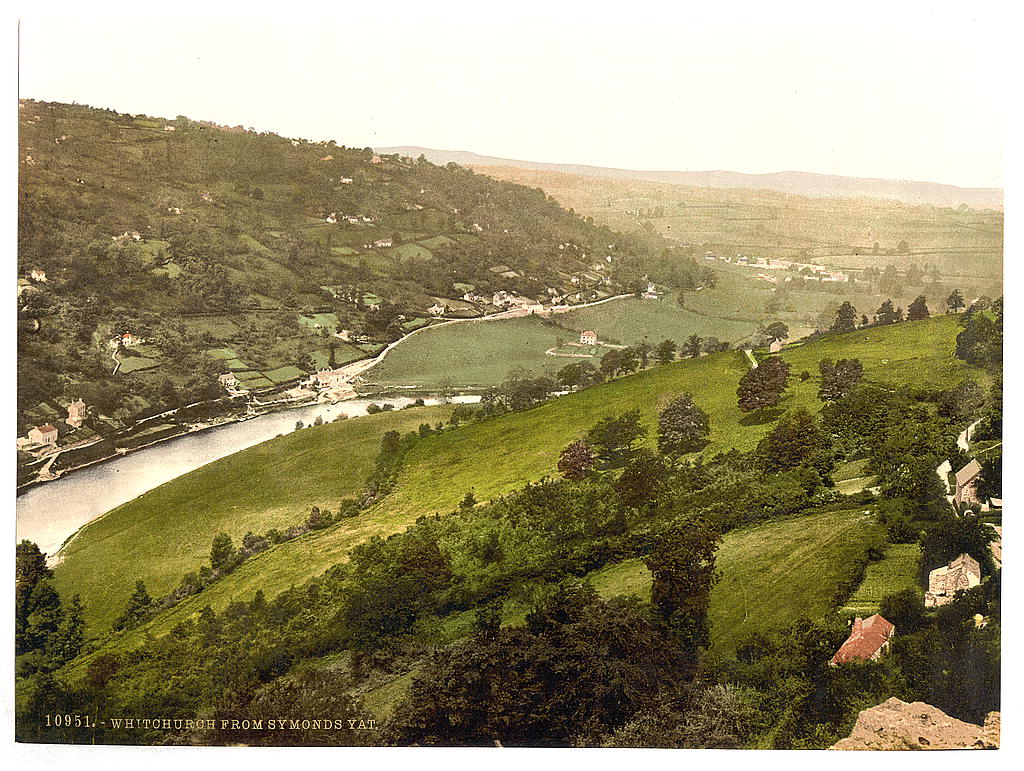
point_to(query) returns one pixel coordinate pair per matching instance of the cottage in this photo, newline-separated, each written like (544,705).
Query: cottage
(327,158)
(76,413)
(868,640)
(775,347)
(45,435)
(383,243)
(39,275)
(437,309)
(588,337)
(944,582)
(331,218)
(228,380)
(127,340)
(168,128)
(346,180)
(967,482)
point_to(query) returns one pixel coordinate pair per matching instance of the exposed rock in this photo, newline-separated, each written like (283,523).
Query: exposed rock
(896,725)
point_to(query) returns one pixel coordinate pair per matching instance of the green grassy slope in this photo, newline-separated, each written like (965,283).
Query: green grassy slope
(165,533)
(497,456)
(896,572)
(771,575)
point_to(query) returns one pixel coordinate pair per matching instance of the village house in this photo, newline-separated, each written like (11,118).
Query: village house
(588,337)
(967,483)
(134,235)
(127,340)
(39,275)
(327,158)
(228,381)
(776,346)
(77,412)
(383,242)
(346,180)
(331,218)
(44,435)
(169,128)
(869,638)
(962,573)
(469,297)
(437,309)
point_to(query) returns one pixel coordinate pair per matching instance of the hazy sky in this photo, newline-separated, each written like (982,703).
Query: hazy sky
(897,99)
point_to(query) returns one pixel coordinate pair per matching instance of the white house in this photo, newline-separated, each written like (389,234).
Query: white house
(76,413)
(39,275)
(331,218)
(437,309)
(45,435)
(588,337)
(346,180)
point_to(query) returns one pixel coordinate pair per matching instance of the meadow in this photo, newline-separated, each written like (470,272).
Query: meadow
(771,575)
(895,572)
(167,532)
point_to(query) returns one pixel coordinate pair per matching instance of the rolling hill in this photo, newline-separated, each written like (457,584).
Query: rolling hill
(792,182)
(490,458)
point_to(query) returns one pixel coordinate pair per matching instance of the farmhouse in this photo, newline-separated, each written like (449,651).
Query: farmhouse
(39,275)
(76,413)
(437,309)
(775,347)
(331,218)
(127,340)
(967,482)
(383,242)
(868,640)
(944,582)
(588,337)
(45,435)
(228,381)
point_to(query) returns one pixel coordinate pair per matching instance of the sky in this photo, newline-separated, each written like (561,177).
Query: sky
(907,97)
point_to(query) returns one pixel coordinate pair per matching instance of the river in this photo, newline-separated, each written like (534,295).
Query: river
(49,513)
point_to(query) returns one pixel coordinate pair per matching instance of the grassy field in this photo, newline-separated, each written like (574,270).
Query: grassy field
(165,533)
(771,575)
(896,572)
(491,458)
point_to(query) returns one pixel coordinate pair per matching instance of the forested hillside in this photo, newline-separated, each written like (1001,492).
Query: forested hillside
(213,245)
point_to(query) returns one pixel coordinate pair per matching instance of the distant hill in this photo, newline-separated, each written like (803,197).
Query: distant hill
(793,182)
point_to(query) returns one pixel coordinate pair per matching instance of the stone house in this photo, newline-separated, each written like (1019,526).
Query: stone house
(869,638)
(944,582)
(77,412)
(45,435)
(967,482)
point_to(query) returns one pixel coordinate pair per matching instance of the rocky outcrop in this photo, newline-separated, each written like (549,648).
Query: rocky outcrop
(896,725)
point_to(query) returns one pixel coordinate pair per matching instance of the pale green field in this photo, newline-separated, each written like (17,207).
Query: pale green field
(896,572)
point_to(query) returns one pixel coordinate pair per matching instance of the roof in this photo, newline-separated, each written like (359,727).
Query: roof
(866,638)
(968,472)
(46,428)
(589,332)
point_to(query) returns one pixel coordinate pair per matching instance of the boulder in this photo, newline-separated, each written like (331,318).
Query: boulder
(896,725)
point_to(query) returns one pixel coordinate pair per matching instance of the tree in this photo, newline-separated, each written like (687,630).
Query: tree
(846,318)
(955,301)
(682,427)
(918,309)
(611,362)
(468,501)
(222,553)
(776,331)
(666,351)
(140,604)
(763,386)
(682,565)
(692,346)
(838,378)
(576,460)
(30,569)
(613,439)
(797,440)
(963,401)
(887,314)
(642,479)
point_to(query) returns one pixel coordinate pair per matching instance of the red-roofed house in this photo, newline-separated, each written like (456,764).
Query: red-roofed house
(45,435)
(588,338)
(868,640)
